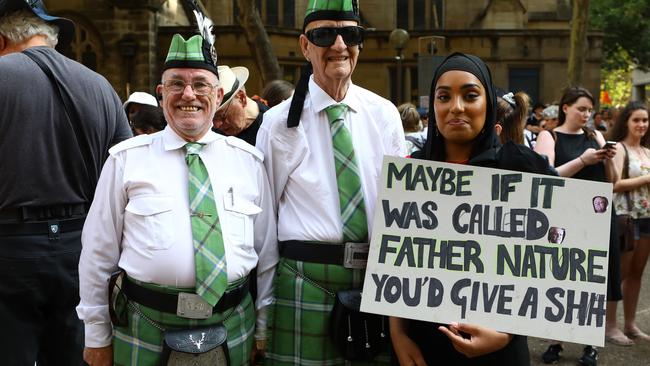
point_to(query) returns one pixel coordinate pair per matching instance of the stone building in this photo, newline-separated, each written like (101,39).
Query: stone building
(640,85)
(525,42)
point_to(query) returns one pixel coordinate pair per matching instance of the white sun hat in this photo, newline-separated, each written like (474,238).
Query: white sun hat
(140,98)
(232,79)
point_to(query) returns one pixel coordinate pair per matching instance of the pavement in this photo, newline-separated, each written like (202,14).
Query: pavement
(611,355)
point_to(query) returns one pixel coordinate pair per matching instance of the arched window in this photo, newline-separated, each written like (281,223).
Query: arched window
(86,46)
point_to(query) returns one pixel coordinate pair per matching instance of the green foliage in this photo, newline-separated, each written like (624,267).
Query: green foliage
(626,24)
(618,83)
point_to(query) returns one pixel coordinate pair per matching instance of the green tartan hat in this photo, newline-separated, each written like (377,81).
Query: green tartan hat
(191,54)
(331,10)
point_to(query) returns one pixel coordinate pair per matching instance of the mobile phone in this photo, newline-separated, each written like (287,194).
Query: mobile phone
(609,144)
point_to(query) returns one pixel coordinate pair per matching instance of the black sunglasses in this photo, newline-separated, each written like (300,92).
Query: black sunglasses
(326,36)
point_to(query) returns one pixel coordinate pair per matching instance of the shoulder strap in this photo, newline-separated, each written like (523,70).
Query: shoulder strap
(73,119)
(626,174)
(626,163)
(135,141)
(243,145)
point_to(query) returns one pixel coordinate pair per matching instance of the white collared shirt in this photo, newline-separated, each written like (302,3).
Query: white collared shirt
(300,162)
(139,221)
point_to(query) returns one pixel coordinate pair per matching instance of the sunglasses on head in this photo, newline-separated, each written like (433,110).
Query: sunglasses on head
(326,36)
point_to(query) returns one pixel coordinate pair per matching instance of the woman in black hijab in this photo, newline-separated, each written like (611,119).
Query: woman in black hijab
(435,148)
(462,115)
(485,149)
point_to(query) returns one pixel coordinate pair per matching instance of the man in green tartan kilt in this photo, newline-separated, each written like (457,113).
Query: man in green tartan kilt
(182,216)
(323,155)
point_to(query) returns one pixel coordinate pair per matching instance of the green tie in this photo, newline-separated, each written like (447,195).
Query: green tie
(209,254)
(353,212)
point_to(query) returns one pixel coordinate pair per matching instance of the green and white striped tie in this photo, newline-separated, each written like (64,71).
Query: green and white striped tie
(353,212)
(209,253)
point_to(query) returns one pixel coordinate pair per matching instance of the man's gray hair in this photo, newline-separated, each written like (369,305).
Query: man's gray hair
(22,25)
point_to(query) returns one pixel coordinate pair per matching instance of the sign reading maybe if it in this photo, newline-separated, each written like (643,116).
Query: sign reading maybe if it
(517,252)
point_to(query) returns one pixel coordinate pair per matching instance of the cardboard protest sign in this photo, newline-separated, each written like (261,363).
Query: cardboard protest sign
(517,252)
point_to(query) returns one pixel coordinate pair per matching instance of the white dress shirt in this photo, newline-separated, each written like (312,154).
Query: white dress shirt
(139,221)
(300,161)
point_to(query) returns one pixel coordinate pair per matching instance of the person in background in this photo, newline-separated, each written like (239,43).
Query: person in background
(277,91)
(239,115)
(599,122)
(323,162)
(511,113)
(609,118)
(424,117)
(412,127)
(549,117)
(577,151)
(147,120)
(52,148)
(424,120)
(631,197)
(136,101)
(535,118)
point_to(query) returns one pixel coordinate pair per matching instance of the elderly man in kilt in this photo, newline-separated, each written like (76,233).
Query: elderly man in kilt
(323,154)
(182,216)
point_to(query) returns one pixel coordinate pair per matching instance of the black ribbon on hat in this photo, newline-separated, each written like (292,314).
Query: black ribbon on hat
(234,88)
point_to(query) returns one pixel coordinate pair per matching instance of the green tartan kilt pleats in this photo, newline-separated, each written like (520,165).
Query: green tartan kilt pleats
(140,343)
(299,319)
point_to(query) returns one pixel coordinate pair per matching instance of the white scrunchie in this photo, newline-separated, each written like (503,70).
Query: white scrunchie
(510,98)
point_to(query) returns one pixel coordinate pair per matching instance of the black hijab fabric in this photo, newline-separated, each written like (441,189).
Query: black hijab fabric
(487,138)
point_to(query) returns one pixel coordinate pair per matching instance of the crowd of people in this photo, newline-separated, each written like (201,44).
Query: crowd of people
(231,226)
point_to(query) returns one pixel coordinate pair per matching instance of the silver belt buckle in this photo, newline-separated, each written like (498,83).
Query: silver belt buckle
(355,255)
(192,306)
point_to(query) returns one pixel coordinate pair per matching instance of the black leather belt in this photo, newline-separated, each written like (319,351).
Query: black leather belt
(168,303)
(43,213)
(349,255)
(52,228)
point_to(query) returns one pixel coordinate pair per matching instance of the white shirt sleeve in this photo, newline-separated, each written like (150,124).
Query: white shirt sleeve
(266,246)
(101,241)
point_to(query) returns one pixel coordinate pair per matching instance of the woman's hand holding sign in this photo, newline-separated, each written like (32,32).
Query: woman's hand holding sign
(481,340)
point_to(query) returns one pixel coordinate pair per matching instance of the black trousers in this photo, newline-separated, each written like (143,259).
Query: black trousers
(39,290)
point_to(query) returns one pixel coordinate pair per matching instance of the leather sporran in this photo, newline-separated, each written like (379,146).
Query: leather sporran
(625,227)
(357,336)
(117,308)
(196,347)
